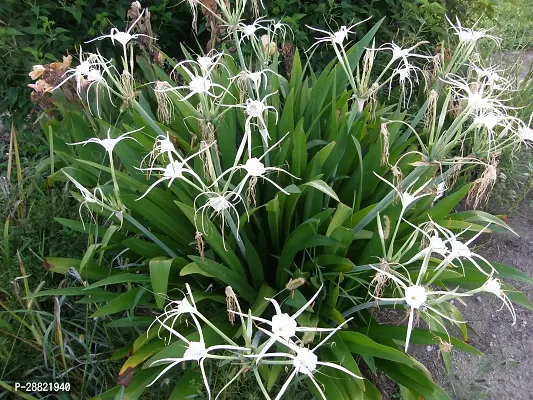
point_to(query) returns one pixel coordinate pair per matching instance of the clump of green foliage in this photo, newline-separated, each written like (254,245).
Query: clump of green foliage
(223,195)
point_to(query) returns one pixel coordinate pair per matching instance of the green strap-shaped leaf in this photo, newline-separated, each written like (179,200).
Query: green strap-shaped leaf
(159,273)
(213,237)
(123,302)
(218,271)
(323,187)
(119,278)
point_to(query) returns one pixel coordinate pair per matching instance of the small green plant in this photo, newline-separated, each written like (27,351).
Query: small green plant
(239,218)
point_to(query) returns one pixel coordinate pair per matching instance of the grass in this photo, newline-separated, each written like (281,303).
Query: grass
(513,23)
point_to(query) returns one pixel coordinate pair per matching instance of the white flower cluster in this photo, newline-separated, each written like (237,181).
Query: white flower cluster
(280,331)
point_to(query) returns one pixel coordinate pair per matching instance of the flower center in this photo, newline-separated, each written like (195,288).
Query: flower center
(84,68)
(122,37)
(305,361)
(94,75)
(173,170)
(460,249)
(205,63)
(254,167)
(415,296)
(493,286)
(194,351)
(249,30)
(283,326)
(255,108)
(184,307)
(526,133)
(109,144)
(437,245)
(166,146)
(219,203)
(340,36)
(200,84)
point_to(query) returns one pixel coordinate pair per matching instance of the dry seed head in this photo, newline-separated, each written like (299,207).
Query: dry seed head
(128,88)
(288,51)
(255,8)
(481,188)
(443,345)
(250,192)
(373,99)
(204,157)
(386,228)
(200,245)
(295,283)
(165,106)
(232,304)
(380,279)
(431,111)
(242,85)
(386,144)
(398,179)
(454,172)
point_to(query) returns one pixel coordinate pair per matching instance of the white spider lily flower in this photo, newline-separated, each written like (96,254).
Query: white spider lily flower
(248,31)
(337,38)
(417,297)
(435,242)
(281,28)
(95,77)
(491,76)
(195,350)
(494,286)
(123,37)
(174,310)
(89,63)
(206,63)
(462,250)
(405,78)
(209,62)
(489,120)
(255,168)
(198,85)
(284,327)
(478,97)
(437,245)
(95,197)
(525,133)
(406,198)
(470,35)
(162,146)
(222,204)
(256,78)
(304,361)
(254,110)
(176,169)
(399,53)
(109,143)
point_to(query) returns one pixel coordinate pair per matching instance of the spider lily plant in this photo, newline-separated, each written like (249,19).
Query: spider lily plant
(287,209)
